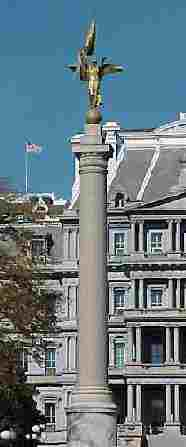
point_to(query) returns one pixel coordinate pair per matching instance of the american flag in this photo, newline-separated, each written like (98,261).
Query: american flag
(32,147)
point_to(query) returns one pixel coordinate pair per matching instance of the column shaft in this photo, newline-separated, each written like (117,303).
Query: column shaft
(168,345)
(133,235)
(141,293)
(178,235)
(138,403)
(176,345)
(138,344)
(129,403)
(168,403)
(176,404)
(178,293)
(130,344)
(65,243)
(141,237)
(93,273)
(132,294)
(170,234)
(170,292)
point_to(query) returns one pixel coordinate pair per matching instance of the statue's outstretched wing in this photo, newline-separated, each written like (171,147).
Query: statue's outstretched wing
(110,69)
(74,68)
(90,39)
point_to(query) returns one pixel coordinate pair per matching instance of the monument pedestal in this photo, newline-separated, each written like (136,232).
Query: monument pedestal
(92,419)
(92,416)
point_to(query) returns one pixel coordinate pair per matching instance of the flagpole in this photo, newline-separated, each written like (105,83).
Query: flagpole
(26,170)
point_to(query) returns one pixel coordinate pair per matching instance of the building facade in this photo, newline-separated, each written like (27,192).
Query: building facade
(146,228)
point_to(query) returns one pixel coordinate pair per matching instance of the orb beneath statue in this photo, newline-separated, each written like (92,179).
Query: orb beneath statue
(93,116)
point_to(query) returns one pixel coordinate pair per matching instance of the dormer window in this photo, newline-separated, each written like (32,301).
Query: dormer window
(119,200)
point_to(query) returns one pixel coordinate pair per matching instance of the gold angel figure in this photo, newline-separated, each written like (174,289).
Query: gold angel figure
(91,71)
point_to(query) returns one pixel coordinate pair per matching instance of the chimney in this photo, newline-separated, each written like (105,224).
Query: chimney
(181,116)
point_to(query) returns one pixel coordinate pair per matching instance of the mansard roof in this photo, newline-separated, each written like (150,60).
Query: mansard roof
(152,167)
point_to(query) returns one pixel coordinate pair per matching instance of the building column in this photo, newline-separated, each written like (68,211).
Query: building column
(111,352)
(65,244)
(168,345)
(178,236)
(129,403)
(176,344)
(141,293)
(130,344)
(138,344)
(133,236)
(170,294)
(170,236)
(168,404)
(178,293)
(132,300)
(176,404)
(141,237)
(138,403)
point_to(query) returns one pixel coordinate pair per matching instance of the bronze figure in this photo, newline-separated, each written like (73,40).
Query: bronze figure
(91,71)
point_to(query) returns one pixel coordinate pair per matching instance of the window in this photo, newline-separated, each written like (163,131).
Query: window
(120,244)
(120,299)
(50,415)
(119,200)
(38,247)
(156,296)
(156,353)
(119,353)
(156,242)
(22,359)
(51,362)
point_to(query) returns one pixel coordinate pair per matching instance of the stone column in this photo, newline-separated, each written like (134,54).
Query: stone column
(138,344)
(170,294)
(92,415)
(178,236)
(176,404)
(178,293)
(170,234)
(130,344)
(176,344)
(129,403)
(65,243)
(138,403)
(141,294)
(168,345)
(111,352)
(168,404)
(132,238)
(141,237)
(132,294)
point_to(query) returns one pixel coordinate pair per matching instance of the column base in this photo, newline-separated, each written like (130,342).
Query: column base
(91,419)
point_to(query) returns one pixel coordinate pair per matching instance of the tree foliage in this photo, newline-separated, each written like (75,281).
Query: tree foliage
(26,311)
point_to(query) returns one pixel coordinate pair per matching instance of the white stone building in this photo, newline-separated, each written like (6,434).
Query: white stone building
(146,288)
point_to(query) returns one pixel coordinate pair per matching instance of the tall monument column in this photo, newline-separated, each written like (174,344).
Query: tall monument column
(92,416)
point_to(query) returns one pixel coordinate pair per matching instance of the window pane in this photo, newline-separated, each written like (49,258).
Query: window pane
(119,354)
(156,297)
(120,243)
(156,241)
(50,358)
(120,297)
(156,354)
(50,413)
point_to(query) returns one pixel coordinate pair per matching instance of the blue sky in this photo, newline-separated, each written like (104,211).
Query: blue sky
(43,101)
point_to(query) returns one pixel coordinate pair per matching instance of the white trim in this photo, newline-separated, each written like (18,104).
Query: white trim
(148,174)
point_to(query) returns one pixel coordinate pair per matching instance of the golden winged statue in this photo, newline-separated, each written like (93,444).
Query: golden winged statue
(91,71)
